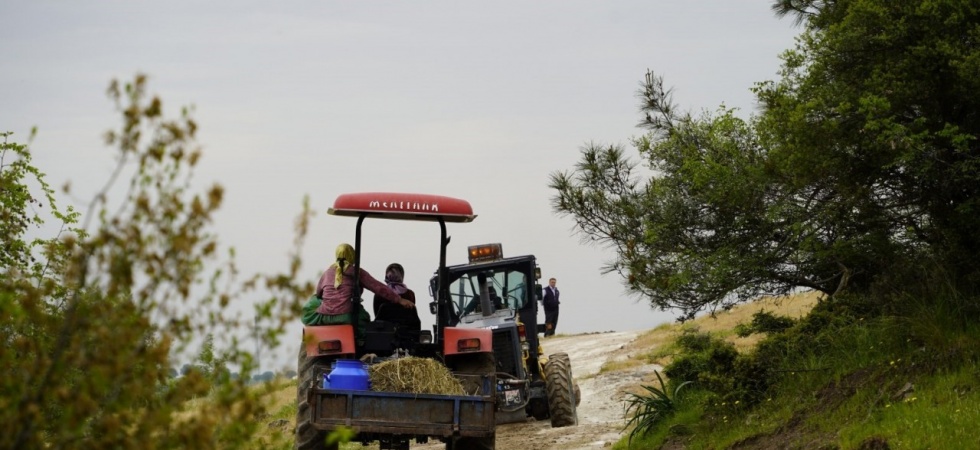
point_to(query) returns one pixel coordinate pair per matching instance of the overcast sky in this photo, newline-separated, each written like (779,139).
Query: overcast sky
(474,100)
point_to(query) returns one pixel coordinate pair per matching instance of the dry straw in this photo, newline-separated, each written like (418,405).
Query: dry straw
(414,375)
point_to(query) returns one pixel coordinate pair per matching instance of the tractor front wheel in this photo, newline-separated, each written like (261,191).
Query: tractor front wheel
(561,391)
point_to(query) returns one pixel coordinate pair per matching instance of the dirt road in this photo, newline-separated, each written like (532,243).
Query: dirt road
(600,414)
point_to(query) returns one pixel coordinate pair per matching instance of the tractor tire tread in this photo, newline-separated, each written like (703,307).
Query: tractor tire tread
(560,386)
(307,436)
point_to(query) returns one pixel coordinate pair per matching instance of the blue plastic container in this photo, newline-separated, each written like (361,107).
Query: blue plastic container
(348,374)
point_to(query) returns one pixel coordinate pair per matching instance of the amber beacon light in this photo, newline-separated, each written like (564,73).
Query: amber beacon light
(486,252)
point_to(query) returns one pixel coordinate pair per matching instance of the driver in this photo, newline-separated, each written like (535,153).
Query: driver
(474,304)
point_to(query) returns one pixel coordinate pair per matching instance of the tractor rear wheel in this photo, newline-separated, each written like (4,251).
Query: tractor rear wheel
(308,437)
(561,390)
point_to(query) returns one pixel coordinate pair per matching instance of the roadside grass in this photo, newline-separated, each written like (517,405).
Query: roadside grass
(637,351)
(661,341)
(616,365)
(276,426)
(941,412)
(682,424)
(839,379)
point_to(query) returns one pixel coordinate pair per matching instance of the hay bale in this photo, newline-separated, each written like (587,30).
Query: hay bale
(414,375)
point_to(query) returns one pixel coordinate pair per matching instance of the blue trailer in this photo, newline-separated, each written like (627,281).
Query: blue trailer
(395,419)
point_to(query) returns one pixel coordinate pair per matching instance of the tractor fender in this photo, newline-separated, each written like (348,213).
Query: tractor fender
(328,340)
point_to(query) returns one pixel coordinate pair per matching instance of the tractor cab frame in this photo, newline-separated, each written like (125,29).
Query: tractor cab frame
(501,294)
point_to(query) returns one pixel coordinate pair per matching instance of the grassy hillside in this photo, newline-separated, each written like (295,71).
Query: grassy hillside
(844,374)
(656,346)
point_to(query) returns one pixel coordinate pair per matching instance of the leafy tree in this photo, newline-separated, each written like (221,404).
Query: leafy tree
(863,159)
(93,316)
(704,229)
(878,108)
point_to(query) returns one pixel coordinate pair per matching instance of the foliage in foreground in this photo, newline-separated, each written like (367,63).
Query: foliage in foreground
(94,312)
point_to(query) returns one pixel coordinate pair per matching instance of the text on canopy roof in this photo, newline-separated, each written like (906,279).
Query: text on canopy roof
(404,205)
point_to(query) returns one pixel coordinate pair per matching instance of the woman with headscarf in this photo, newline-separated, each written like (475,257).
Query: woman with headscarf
(407,319)
(336,287)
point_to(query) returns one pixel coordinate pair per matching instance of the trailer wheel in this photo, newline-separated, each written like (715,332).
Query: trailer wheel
(561,391)
(308,437)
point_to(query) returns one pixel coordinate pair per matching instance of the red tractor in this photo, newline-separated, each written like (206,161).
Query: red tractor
(394,419)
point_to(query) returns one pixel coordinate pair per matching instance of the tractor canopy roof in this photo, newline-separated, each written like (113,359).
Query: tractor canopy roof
(403,206)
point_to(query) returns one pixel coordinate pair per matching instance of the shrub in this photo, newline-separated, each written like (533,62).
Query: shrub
(650,410)
(744,330)
(718,368)
(766,322)
(694,341)
(704,359)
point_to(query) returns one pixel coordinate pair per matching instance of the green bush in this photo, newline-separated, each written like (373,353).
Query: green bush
(715,366)
(701,355)
(645,412)
(744,330)
(766,322)
(752,379)
(694,341)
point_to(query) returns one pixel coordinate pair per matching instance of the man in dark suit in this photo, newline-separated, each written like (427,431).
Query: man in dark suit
(551,303)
